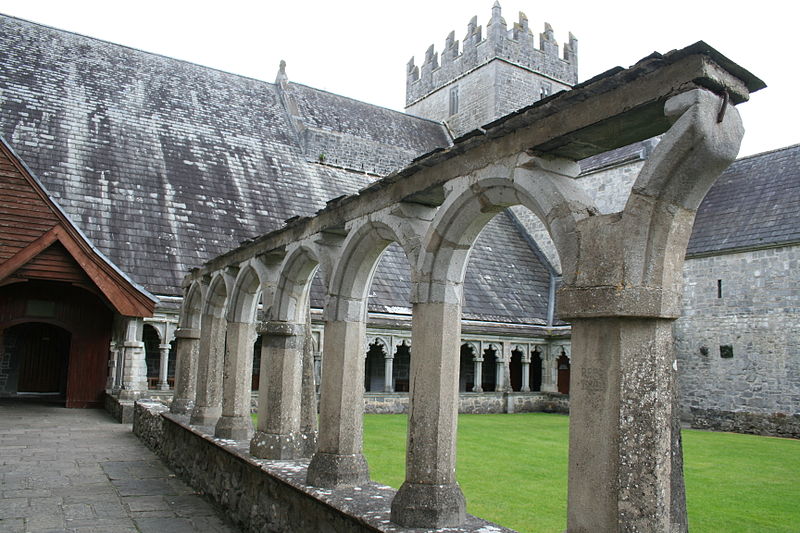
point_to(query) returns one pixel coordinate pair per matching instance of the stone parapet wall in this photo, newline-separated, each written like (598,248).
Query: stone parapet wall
(476,403)
(774,424)
(269,496)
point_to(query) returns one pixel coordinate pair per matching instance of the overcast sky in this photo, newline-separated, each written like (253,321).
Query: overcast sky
(360,48)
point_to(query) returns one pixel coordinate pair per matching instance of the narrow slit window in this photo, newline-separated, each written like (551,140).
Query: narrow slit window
(454,100)
(719,288)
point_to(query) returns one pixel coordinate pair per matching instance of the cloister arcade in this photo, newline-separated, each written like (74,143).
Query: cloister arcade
(621,287)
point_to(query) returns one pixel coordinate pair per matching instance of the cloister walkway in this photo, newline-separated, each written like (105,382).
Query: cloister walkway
(77,470)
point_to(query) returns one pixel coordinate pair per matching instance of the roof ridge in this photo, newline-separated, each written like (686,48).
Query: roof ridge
(135,49)
(402,113)
(774,150)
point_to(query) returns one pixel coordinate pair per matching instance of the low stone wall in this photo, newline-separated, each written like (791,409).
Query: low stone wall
(775,424)
(120,410)
(384,403)
(269,496)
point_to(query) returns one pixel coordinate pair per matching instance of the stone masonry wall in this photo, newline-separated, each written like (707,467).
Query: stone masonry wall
(269,496)
(739,353)
(476,403)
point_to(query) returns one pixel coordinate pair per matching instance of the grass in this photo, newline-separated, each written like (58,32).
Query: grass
(513,471)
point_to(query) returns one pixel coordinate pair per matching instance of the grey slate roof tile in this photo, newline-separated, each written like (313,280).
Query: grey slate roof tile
(165,164)
(754,203)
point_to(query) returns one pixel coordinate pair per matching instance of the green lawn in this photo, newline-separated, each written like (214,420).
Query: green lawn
(513,471)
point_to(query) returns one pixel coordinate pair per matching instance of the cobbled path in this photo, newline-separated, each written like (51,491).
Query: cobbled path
(78,470)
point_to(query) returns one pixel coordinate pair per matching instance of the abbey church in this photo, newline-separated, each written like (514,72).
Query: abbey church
(123,171)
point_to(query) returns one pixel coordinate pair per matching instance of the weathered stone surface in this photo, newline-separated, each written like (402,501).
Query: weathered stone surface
(264,495)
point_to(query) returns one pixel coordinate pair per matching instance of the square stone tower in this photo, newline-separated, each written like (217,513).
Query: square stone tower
(489,77)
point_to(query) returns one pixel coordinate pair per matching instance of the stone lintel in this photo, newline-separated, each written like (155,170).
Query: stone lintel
(596,302)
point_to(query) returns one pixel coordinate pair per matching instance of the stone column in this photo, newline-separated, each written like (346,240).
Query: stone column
(478,362)
(430,496)
(526,375)
(279,393)
(113,364)
(309,429)
(134,365)
(388,385)
(622,295)
(186,354)
(208,399)
(235,422)
(339,461)
(163,366)
(549,368)
(499,376)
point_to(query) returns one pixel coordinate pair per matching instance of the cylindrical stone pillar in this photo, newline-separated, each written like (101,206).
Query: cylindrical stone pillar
(526,376)
(388,385)
(478,362)
(235,422)
(208,399)
(163,366)
(279,394)
(339,460)
(186,354)
(430,496)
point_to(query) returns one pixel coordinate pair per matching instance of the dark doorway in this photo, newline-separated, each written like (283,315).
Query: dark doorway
(536,371)
(563,373)
(466,369)
(489,369)
(515,370)
(42,353)
(375,368)
(400,370)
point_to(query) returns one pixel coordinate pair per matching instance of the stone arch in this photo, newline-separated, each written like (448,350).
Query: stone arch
(375,366)
(353,272)
(290,301)
(151,337)
(466,367)
(245,296)
(544,187)
(216,297)
(213,327)
(192,306)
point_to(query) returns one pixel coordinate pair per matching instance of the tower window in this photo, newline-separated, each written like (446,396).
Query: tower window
(454,100)
(545,90)
(719,288)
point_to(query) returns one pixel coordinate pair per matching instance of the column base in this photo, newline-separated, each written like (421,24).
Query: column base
(181,406)
(309,443)
(276,446)
(234,428)
(330,471)
(205,416)
(429,506)
(163,386)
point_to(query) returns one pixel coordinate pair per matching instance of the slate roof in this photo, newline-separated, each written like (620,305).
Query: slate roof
(165,164)
(754,203)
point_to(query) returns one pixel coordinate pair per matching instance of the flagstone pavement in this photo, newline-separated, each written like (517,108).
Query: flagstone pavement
(79,471)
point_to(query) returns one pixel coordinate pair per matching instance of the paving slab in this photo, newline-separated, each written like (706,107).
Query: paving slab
(79,471)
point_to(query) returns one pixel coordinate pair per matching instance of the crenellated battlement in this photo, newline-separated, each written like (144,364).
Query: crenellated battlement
(515,45)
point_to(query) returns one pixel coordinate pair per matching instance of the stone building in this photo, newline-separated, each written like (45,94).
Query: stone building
(165,165)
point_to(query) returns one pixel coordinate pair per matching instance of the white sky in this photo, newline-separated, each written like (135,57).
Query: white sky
(360,48)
